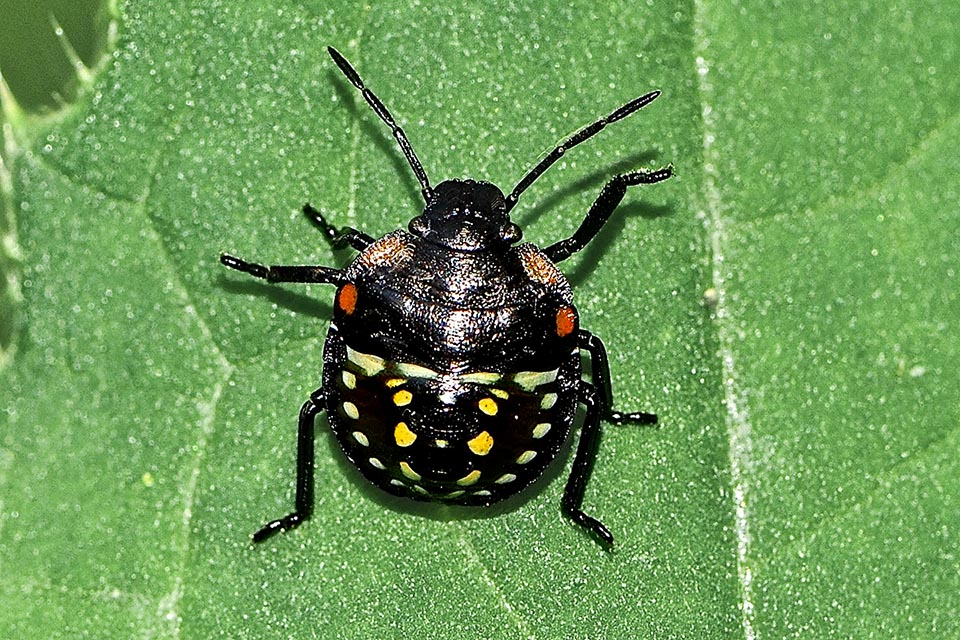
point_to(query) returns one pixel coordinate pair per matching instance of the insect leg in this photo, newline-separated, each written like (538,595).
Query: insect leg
(572,501)
(338,237)
(601,210)
(304,497)
(600,368)
(296,273)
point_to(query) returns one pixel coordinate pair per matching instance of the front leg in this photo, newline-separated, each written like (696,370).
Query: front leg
(601,210)
(296,273)
(338,237)
(304,497)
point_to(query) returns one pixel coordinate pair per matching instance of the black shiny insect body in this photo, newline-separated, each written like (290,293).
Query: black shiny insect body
(452,367)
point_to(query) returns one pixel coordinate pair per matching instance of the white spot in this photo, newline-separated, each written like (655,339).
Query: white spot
(541,430)
(408,471)
(361,438)
(411,370)
(526,457)
(376,463)
(530,380)
(397,483)
(448,397)
(549,399)
(371,365)
(351,410)
(349,380)
(481,377)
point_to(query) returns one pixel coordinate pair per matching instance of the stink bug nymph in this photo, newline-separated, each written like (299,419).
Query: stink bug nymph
(451,369)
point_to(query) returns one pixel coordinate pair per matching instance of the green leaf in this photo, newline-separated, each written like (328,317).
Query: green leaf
(787,305)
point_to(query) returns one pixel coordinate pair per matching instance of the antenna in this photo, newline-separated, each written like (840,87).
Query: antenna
(580,136)
(381,110)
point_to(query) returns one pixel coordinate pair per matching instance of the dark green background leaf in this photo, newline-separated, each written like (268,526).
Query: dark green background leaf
(804,480)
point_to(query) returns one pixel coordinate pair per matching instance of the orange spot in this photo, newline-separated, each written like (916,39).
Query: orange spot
(566,321)
(347,298)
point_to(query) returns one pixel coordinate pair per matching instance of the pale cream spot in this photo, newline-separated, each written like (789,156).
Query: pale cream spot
(411,370)
(442,444)
(530,380)
(549,399)
(469,479)
(500,393)
(371,365)
(402,398)
(397,483)
(505,478)
(376,463)
(420,490)
(351,410)
(395,382)
(455,494)
(482,444)
(488,406)
(526,457)
(360,437)
(541,430)
(409,472)
(481,377)
(349,380)
(403,435)
(482,492)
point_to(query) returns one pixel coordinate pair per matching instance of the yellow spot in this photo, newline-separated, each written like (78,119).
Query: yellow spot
(541,430)
(395,382)
(549,399)
(403,435)
(505,478)
(469,479)
(360,437)
(147,479)
(482,444)
(488,406)
(409,472)
(402,398)
(349,380)
(351,410)
(500,393)
(376,463)
(526,457)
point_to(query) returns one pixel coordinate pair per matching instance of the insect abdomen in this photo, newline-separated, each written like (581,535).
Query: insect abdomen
(467,438)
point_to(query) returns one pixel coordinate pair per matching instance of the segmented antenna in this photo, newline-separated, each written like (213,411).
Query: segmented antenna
(580,136)
(381,110)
